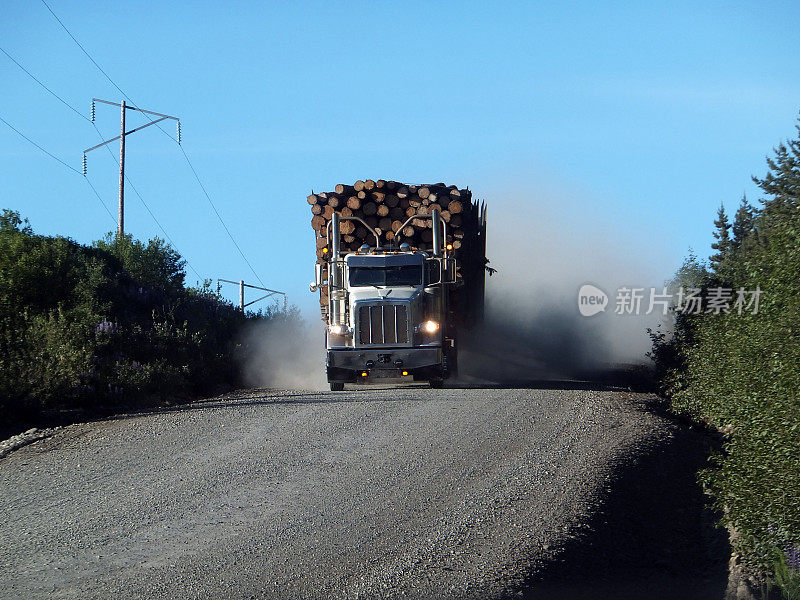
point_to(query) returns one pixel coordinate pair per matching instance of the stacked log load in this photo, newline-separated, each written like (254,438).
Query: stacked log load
(387,205)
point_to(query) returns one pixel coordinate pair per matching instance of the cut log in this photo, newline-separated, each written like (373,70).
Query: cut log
(385,223)
(423,192)
(318,223)
(396,225)
(316,209)
(402,192)
(369,208)
(455,207)
(354,203)
(342,188)
(446,216)
(362,195)
(380,183)
(358,185)
(411,211)
(312,199)
(334,201)
(383,210)
(346,211)
(408,231)
(391,200)
(369,184)
(378,197)
(349,239)
(327,211)
(347,227)
(389,236)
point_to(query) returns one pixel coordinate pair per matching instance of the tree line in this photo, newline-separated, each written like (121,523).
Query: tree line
(109,325)
(739,371)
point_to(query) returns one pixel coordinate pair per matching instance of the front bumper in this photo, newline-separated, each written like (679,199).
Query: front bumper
(347,365)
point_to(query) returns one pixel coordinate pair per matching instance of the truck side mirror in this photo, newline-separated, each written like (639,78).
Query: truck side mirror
(449,275)
(318,274)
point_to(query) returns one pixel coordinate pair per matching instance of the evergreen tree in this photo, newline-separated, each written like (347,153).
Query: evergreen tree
(782,181)
(743,224)
(720,260)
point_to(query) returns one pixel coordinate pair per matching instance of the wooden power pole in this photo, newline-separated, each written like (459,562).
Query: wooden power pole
(121,137)
(121,217)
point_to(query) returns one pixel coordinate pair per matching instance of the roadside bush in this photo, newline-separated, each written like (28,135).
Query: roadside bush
(108,325)
(741,372)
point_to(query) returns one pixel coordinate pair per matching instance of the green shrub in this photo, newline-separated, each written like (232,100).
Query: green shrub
(741,373)
(107,325)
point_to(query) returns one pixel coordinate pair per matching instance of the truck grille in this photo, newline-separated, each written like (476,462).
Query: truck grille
(383,324)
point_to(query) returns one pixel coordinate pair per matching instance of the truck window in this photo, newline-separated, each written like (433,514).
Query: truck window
(391,276)
(432,272)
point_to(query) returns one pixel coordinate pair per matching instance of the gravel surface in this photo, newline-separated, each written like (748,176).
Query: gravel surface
(373,492)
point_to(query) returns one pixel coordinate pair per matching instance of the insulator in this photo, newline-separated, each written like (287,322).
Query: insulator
(84,165)
(92,113)
(179,132)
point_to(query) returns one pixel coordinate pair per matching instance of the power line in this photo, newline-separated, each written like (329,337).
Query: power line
(54,157)
(73,109)
(32,76)
(147,208)
(208,197)
(186,156)
(89,56)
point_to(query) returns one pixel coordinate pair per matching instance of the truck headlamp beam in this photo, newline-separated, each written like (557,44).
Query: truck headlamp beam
(430,327)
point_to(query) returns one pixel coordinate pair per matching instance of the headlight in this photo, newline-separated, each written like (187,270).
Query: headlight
(430,326)
(335,329)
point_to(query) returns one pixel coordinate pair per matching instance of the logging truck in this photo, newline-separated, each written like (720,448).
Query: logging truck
(393,305)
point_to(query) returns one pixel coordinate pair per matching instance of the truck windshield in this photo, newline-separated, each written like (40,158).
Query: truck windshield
(400,275)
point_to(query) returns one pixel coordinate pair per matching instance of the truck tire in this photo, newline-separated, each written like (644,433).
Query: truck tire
(436,383)
(337,386)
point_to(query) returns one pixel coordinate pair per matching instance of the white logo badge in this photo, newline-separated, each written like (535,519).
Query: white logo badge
(591,300)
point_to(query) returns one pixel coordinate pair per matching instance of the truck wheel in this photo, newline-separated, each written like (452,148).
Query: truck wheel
(337,386)
(436,383)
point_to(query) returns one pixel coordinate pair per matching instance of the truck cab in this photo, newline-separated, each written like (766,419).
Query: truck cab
(387,312)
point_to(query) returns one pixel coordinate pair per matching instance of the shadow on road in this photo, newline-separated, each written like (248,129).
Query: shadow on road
(652,538)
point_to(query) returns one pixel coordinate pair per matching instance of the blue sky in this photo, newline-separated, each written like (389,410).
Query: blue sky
(635,120)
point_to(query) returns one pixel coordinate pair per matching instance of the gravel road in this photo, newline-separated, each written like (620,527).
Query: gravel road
(374,492)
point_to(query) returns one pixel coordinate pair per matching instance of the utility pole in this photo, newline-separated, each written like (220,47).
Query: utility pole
(243,285)
(121,217)
(122,135)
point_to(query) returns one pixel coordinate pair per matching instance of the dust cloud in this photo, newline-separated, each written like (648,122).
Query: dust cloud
(532,327)
(285,353)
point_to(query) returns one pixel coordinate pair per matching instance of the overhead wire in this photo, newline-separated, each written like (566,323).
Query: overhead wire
(54,157)
(185,155)
(100,135)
